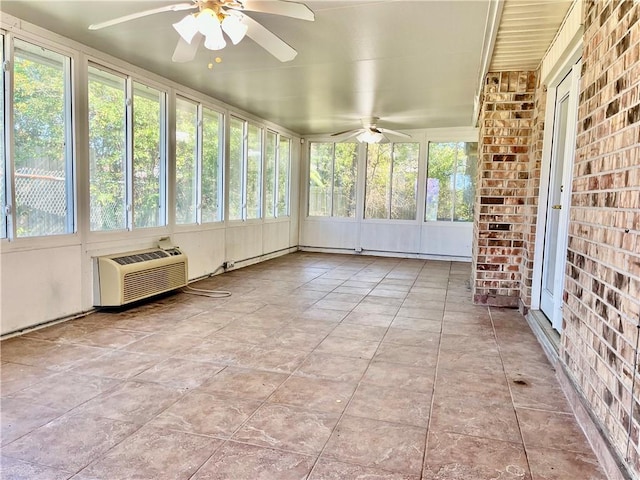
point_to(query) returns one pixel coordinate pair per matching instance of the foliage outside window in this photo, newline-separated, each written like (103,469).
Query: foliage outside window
(451,181)
(42,154)
(148,152)
(3,159)
(245,170)
(332,179)
(212,163)
(253,180)
(127,166)
(276,184)
(198,163)
(392,179)
(186,160)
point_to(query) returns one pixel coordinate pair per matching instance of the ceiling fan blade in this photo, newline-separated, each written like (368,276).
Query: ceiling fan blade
(185,51)
(393,132)
(355,132)
(168,8)
(268,40)
(288,9)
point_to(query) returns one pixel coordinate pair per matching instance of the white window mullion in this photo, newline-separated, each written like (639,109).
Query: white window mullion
(333,179)
(8,228)
(245,168)
(69,151)
(164,171)
(198,173)
(128,174)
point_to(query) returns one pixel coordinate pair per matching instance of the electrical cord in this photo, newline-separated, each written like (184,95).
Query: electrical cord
(206,293)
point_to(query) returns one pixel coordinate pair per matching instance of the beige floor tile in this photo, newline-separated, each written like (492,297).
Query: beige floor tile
(372,443)
(549,464)
(373,319)
(413,338)
(288,428)
(348,347)
(206,414)
(238,461)
(407,355)
(13,469)
(118,364)
(315,394)
(153,453)
(19,418)
(70,442)
(333,367)
(391,405)
(327,469)
(460,457)
(244,383)
(179,373)
(541,428)
(394,375)
(14,377)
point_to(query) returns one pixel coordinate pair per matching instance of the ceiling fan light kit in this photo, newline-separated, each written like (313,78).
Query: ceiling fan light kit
(213,17)
(371,136)
(370,133)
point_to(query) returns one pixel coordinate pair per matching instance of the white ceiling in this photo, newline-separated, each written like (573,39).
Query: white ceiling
(414,64)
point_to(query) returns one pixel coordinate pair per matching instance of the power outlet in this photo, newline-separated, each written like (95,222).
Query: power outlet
(229,265)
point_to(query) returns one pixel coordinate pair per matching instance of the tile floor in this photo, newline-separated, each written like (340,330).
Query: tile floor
(317,367)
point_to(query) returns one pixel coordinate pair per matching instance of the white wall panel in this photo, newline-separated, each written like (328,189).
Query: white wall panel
(243,241)
(205,250)
(40,285)
(450,239)
(275,236)
(329,234)
(390,237)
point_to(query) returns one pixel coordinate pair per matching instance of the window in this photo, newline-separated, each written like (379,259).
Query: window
(199,133)
(127,158)
(392,179)
(277,162)
(186,161)
(148,152)
(3,159)
(245,170)
(42,154)
(451,181)
(332,179)
(212,163)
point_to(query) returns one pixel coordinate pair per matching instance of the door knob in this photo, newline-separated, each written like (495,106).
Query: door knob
(557,207)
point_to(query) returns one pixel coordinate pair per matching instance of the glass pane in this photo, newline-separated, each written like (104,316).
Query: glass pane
(344,180)
(236,163)
(451,181)
(404,181)
(3,165)
(107,150)
(284,162)
(40,133)
(186,161)
(254,172)
(147,156)
(212,135)
(378,188)
(320,179)
(465,186)
(270,175)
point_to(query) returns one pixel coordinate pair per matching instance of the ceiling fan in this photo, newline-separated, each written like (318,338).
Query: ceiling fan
(370,132)
(213,17)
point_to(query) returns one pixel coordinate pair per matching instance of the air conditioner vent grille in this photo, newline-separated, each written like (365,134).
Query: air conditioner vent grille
(139,257)
(151,281)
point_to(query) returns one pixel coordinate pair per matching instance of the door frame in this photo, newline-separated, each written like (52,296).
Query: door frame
(572,66)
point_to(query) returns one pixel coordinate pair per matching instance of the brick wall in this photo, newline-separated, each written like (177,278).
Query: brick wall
(503,187)
(602,289)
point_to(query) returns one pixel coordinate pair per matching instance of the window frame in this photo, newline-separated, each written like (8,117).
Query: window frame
(8,224)
(272,204)
(129,80)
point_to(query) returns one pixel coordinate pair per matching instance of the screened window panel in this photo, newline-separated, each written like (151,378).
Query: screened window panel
(284,166)
(107,150)
(42,163)
(404,184)
(186,161)
(344,180)
(148,167)
(451,181)
(3,159)
(254,173)
(212,134)
(271,149)
(236,170)
(378,187)
(320,179)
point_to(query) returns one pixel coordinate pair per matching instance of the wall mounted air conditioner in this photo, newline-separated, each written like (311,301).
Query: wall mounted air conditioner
(127,277)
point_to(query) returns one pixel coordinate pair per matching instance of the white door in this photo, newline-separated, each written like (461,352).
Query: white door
(558,199)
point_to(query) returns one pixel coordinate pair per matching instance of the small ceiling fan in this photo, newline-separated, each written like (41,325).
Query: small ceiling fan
(370,132)
(213,17)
